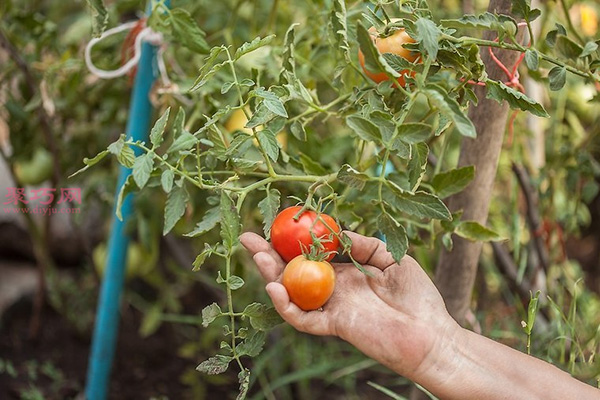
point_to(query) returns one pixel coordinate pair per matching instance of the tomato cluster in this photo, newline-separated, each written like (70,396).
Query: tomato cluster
(309,280)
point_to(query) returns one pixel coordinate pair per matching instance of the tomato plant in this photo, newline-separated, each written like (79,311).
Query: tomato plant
(309,283)
(392,44)
(290,236)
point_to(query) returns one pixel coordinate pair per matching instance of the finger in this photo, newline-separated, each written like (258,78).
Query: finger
(369,250)
(255,243)
(270,269)
(313,322)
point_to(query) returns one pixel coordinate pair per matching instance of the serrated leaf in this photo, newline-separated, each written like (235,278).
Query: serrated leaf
(230,221)
(99,16)
(352,177)
(558,78)
(210,313)
(175,207)
(235,282)
(209,221)
(417,164)
(374,61)
(499,23)
(267,319)
(187,32)
(269,143)
(185,141)
(420,204)
(552,35)
(253,45)
(124,153)
(428,35)
(142,168)
(395,236)
(201,258)
(448,183)
(227,87)
(340,29)
(156,133)
(450,107)
(567,48)
(516,100)
(288,62)
(268,208)
(474,231)
(166,180)
(272,102)
(532,59)
(244,380)
(215,365)
(254,310)
(261,116)
(310,166)
(253,345)
(364,128)
(414,132)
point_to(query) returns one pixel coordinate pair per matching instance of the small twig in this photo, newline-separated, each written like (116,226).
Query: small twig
(532,214)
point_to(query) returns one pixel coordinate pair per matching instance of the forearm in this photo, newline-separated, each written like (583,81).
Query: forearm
(475,367)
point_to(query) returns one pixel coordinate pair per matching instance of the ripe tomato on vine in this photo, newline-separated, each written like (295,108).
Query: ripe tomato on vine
(289,236)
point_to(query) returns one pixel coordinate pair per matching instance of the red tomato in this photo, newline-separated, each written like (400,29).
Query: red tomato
(309,283)
(287,234)
(391,44)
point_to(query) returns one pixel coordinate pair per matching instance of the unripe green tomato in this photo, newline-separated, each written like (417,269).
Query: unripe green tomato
(35,170)
(137,263)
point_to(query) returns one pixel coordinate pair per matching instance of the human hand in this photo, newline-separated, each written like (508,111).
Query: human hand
(396,317)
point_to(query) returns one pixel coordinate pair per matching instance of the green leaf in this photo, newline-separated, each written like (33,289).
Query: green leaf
(272,102)
(395,236)
(174,208)
(428,34)
(230,221)
(187,32)
(298,131)
(364,128)
(142,168)
(268,208)
(253,345)
(244,380)
(249,47)
(474,232)
(185,141)
(99,16)
(201,258)
(265,318)
(552,35)
(268,141)
(567,48)
(166,180)
(210,313)
(516,100)
(532,310)
(523,9)
(488,21)
(589,48)
(414,132)
(453,181)
(440,99)
(417,164)
(235,282)
(558,78)
(156,134)
(89,162)
(532,59)
(288,62)
(340,29)
(124,153)
(374,61)
(352,177)
(210,68)
(385,123)
(123,192)
(215,365)
(421,205)
(254,310)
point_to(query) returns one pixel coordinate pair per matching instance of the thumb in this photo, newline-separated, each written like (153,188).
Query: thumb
(369,250)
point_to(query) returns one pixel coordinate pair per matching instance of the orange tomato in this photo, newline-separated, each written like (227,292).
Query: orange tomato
(309,283)
(391,44)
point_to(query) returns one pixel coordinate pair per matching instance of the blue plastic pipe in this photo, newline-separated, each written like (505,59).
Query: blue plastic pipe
(107,315)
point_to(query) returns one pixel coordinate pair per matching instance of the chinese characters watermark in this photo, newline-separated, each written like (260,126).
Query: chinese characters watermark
(18,201)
